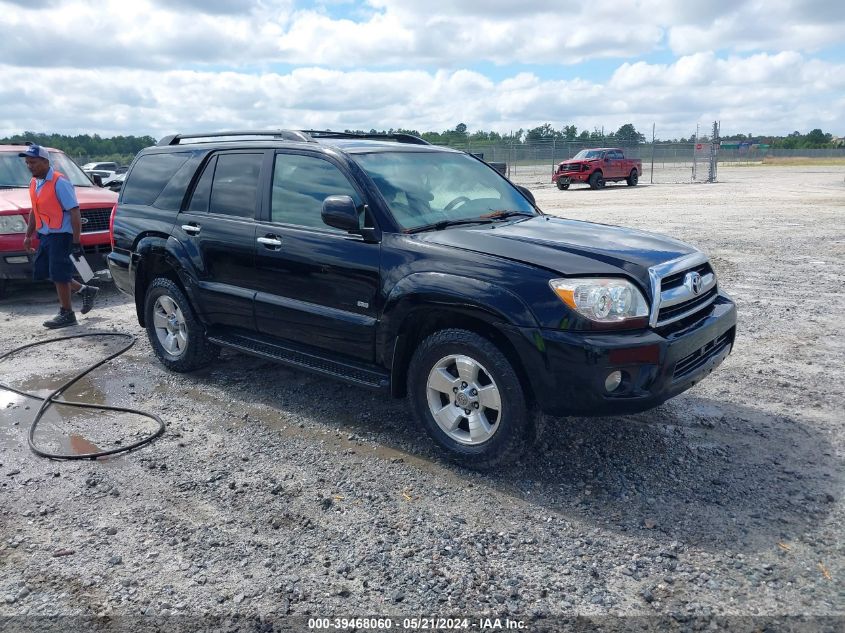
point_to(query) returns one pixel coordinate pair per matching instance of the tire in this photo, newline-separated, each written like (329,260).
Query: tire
(3,284)
(562,186)
(633,178)
(487,436)
(596,180)
(176,336)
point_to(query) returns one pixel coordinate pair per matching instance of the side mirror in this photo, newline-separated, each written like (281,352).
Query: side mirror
(525,191)
(341,213)
(98,179)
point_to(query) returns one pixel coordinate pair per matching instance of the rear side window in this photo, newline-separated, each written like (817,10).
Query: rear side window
(235,187)
(202,192)
(150,175)
(174,192)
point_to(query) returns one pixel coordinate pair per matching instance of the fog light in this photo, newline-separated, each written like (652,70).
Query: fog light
(613,380)
(17,259)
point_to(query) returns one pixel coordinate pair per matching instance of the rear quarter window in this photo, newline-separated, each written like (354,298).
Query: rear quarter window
(150,175)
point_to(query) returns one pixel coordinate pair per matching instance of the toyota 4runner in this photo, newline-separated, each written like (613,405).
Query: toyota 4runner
(414,270)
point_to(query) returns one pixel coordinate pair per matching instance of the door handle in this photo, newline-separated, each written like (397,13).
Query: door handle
(270,241)
(191,229)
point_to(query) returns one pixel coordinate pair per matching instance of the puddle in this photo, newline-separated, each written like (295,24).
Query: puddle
(78,445)
(83,390)
(66,429)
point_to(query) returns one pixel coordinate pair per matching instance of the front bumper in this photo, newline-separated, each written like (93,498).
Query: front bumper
(567,370)
(569,177)
(16,263)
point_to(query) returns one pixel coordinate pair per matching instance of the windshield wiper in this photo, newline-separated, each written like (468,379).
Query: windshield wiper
(14,186)
(439,226)
(488,218)
(503,215)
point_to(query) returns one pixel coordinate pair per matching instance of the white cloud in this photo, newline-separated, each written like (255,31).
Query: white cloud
(768,94)
(159,66)
(399,33)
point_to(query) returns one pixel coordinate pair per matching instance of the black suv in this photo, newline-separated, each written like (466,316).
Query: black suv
(415,270)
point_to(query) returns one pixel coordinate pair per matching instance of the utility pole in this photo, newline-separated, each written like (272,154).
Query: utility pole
(653,128)
(694,143)
(711,175)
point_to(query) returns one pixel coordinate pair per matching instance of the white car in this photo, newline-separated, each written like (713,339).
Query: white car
(108,166)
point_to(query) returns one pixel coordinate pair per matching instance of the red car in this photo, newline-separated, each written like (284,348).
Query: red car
(597,166)
(95,205)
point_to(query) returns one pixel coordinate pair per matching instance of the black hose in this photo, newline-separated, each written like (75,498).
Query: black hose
(49,400)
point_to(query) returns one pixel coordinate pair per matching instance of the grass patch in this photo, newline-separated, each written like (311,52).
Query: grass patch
(803,160)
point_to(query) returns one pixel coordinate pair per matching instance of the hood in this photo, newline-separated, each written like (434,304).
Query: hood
(568,247)
(579,161)
(18,199)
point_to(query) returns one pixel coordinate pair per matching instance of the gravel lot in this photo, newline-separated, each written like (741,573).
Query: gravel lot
(275,492)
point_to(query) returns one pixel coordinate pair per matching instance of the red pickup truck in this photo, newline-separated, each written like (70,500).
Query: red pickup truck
(95,206)
(597,166)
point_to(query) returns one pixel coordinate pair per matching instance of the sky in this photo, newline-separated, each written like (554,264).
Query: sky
(157,67)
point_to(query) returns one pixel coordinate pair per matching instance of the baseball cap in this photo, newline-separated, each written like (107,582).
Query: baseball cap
(35,151)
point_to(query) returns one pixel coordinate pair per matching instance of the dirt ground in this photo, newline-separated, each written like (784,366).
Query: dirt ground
(275,495)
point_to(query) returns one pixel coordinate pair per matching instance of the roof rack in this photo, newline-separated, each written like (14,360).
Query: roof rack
(286,135)
(399,138)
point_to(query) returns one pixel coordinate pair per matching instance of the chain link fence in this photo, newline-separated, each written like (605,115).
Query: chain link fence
(534,162)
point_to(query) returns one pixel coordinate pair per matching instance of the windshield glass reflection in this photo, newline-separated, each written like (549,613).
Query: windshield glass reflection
(424,188)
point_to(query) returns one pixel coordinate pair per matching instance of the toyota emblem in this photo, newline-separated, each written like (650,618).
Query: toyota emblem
(693,282)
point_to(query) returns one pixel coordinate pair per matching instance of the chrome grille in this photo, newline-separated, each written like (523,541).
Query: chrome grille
(94,220)
(680,310)
(673,295)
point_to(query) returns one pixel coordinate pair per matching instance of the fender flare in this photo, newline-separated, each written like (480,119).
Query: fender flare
(174,255)
(424,291)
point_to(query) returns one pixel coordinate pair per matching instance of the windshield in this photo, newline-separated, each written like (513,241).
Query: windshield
(13,171)
(588,153)
(424,188)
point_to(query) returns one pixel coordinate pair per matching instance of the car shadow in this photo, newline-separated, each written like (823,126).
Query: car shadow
(607,187)
(705,472)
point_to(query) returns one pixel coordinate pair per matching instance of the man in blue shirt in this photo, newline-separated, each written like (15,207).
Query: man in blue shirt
(55,214)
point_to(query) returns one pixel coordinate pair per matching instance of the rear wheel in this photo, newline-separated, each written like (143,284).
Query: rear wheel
(633,178)
(467,396)
(596,180)
(176,336)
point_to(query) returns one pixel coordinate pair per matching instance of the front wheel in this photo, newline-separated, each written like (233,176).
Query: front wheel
(633,178)
(596,180)
(562,185)
(467,396)
(175,334)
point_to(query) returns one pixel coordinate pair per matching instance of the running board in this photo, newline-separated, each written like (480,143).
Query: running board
(359,374)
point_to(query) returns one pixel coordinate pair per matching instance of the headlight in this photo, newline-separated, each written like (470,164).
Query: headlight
(12,224)
(603,300)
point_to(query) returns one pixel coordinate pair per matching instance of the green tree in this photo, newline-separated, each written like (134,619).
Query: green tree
(541,133)
(628,134)
(816,138)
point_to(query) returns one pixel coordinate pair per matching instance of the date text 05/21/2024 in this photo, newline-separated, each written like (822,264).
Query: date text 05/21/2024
(417,624)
